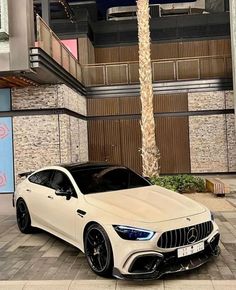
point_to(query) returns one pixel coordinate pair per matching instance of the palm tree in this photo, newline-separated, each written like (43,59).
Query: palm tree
(150,152)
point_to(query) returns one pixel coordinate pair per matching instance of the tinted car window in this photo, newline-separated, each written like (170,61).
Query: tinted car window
(107,179)
(41,177)
(60,181)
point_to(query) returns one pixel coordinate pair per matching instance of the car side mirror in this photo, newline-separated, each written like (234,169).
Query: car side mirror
(66,193)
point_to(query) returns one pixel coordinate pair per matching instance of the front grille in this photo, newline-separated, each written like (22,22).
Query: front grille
(181,237)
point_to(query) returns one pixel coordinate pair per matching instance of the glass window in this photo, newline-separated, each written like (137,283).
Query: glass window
(60,181)
(41,177)
(5,100)
(107,179)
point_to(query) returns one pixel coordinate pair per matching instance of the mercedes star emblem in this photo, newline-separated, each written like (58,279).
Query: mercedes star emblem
(192,235)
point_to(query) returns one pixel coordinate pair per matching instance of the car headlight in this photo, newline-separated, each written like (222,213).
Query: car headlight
(212,216)
(134,234)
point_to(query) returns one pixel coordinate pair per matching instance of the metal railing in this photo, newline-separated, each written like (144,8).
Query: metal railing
(51,44)
(127,73)
(173,69)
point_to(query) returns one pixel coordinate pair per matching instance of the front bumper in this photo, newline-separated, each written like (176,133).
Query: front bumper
(166,263)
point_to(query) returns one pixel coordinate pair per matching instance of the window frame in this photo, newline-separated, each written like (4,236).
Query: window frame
(75,195)
(38,172)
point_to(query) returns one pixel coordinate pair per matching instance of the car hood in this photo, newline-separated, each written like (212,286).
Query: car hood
(145,204)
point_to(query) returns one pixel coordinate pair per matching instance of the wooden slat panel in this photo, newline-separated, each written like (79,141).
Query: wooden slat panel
(96,140)
(130,105)
(112,141)
(134,73)
(131,143)
(14,81)
(65,59)
(86,51)
(173,142)
(228,62)
(6,84)
(94,75)
(164,50)
(103,107)
(83,50)
(119,141)
(170,103)
(193,48)
(164,71)
(107,54)
(128,53)
(219,47)
(117,74)
(188,69)
(56,50)
(213,67)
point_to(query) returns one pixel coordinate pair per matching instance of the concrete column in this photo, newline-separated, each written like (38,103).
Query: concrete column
(232,5)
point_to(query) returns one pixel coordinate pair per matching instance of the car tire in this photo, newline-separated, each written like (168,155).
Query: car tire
(98,250)
(23,217)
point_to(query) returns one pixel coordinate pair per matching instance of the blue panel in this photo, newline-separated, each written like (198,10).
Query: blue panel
(5,100)
(6,156)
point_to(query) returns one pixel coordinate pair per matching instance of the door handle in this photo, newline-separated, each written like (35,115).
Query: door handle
(81,213)
(28,190)
(49,196)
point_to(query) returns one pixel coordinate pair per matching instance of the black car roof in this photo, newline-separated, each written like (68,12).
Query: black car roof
(86,165)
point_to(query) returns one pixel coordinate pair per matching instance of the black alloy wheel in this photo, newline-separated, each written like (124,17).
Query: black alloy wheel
(98,250)
(23,217)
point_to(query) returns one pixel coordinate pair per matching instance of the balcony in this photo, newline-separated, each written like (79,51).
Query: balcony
(165,70)
(51,62)
(126,73)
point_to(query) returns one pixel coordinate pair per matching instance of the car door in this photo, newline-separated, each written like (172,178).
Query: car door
(37,192)
(62,211)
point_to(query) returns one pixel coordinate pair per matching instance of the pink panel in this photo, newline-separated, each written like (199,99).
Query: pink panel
(71,44)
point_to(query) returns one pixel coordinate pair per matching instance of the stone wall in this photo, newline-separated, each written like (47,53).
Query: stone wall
(208,144)
(36,142)
(41,140)
(48,97)
(212,137)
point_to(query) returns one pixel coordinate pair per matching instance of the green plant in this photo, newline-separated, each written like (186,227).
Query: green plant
(181,183)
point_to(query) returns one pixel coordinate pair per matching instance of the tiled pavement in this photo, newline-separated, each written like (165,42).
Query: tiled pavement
(41,256)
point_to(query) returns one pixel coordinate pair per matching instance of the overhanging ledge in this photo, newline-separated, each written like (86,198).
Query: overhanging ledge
(161,88)
(47,70)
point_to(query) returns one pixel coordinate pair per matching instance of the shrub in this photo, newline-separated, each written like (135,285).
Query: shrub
(181,183)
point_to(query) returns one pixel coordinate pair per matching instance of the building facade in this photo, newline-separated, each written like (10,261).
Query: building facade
(57,109)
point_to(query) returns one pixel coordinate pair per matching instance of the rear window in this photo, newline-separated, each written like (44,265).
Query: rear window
(41,177)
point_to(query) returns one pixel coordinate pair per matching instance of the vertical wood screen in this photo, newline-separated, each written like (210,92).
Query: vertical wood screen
(117,139)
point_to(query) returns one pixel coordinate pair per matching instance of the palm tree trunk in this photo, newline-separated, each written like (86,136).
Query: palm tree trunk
(150,152)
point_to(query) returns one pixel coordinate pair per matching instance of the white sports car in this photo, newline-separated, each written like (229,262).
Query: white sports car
(125,226)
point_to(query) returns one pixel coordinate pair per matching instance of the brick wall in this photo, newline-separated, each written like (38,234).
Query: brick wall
(212,137)
(41,140)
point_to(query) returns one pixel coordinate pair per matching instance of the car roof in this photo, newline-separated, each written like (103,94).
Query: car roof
(72,167)
(86,165)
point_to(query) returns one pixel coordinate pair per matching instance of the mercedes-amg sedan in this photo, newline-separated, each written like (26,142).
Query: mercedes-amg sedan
(126,227)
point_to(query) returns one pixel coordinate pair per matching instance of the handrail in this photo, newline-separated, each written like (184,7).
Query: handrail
(171,69)
(161,59)
(47,45)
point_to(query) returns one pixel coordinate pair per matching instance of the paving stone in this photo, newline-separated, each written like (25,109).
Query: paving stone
(229,215)
(42,256)
(99,285)
(228,238)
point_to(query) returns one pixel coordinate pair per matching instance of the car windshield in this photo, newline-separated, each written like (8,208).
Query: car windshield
(101,179)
